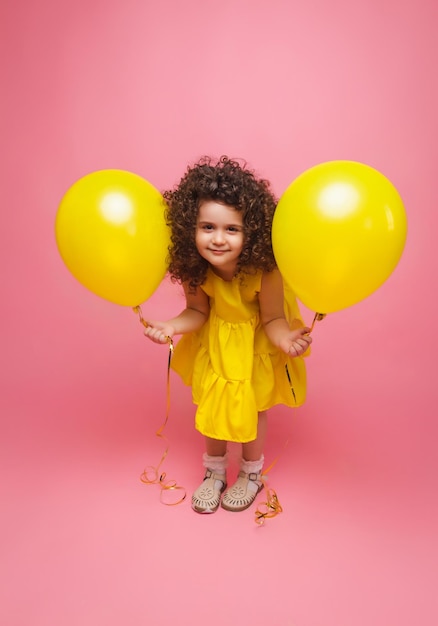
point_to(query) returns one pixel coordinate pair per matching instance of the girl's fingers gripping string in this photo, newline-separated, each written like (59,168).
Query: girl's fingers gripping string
(162,338)
(294,350)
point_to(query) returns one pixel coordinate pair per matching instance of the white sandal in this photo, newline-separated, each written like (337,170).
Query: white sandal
(207,497)
(239,497)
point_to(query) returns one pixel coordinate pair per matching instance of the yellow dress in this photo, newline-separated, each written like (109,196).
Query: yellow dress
(232,367)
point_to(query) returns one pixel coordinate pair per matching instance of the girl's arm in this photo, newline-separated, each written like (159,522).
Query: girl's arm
(271,299)
(190,319)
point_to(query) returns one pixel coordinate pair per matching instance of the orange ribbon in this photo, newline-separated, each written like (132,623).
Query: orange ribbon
(318,317)
(151,474)
(272,506)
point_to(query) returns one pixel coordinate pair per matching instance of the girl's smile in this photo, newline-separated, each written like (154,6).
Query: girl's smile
(219,237)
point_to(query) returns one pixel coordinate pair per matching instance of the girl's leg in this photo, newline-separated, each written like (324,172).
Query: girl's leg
(249,482)
(253,450)
(215,447)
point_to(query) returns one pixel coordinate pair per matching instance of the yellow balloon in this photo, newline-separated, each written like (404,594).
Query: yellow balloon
(112,235)
(338,233)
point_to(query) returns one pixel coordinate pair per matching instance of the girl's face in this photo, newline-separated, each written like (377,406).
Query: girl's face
(219,237)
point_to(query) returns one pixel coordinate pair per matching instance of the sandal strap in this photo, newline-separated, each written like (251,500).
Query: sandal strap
(206,498)
(238,497)
(254,476)
(209,474)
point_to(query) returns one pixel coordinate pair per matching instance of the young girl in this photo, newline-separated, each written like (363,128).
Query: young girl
(243,336)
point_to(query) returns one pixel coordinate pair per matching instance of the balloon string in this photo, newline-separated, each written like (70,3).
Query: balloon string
(290,383)
(318,317)
(268,509)
(151,474)
(272,507)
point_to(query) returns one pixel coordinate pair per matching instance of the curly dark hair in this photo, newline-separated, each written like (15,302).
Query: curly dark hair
(226,181)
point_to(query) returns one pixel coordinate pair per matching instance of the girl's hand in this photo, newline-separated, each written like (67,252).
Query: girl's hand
(159,332)
(296,342)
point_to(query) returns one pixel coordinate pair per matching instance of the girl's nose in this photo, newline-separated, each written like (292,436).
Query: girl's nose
(218,237)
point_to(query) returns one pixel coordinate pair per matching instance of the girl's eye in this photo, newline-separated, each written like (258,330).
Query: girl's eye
(207,227)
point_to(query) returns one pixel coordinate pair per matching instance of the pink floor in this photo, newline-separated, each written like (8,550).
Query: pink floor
(85,542)
(128,85)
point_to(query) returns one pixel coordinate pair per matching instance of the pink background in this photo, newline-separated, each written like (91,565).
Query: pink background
(148,87)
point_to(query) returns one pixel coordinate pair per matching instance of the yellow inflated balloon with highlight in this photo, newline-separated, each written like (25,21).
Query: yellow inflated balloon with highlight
(338,233)
(112,235)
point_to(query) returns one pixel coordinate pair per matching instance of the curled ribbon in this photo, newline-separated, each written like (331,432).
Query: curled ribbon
(151,474)
(272,506)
